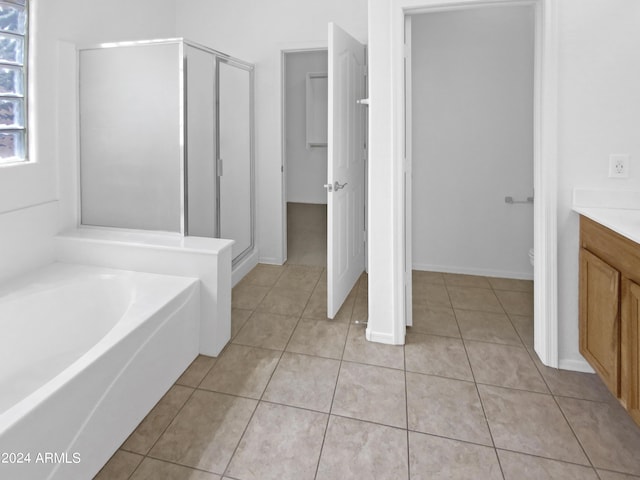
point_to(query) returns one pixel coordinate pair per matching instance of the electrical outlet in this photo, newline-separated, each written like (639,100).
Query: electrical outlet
(618,166)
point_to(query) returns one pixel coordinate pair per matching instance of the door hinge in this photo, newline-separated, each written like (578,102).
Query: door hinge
(219,167)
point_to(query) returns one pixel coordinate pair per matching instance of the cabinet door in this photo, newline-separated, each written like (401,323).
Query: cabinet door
(630,346)
(600,318)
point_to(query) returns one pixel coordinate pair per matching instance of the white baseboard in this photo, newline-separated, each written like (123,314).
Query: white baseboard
(575,365)
(379,337)
(474,271)
(244,267)
(270,261)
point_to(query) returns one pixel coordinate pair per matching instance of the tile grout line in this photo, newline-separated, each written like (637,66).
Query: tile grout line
(194,389)
(406,403)
(575,435)
(392,426)
(335,388)
(244,431)
(197,469)
(517,332)
(473,375)
(453,439)
(260,400)
(170,422)
(470,339)
(350,325)
(146,455)
(555,399)
(534,455)
(548,387)
(508,314)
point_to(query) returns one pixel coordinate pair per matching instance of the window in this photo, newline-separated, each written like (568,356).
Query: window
(13,80)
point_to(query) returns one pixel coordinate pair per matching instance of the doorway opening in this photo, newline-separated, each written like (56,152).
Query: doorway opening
(304,126)
(334,124)
(470,89)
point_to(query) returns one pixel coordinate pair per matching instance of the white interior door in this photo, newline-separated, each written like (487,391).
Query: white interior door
(346,167)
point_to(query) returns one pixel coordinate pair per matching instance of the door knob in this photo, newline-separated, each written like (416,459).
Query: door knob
(334,187)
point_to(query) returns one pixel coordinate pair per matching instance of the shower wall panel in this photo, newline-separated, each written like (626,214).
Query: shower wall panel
(130,137)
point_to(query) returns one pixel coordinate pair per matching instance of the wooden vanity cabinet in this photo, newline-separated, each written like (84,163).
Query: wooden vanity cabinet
(610,310)
(600,318)
(630,348)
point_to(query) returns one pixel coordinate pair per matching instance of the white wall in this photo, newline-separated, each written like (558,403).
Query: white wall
(472,103)
(599,101)
(26,239)
(38,199)
(306,167)
(258,32)
(386,292)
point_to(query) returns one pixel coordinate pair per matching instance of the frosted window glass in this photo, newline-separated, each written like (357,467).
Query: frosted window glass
(11,145)
(13,103)
(12,113)
(11,49)
(13,18)
(11,81)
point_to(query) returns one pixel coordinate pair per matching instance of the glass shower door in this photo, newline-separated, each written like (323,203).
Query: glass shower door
(235,155)
(200,138)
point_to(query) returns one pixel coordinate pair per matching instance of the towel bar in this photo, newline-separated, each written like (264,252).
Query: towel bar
(510,200)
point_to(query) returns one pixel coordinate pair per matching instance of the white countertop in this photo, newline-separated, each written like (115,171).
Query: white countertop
(626,222)
(618,210)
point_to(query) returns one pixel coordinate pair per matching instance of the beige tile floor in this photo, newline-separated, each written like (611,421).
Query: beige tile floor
(307,234)
(296,396)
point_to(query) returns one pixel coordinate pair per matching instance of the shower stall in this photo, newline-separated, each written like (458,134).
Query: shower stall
(166,140)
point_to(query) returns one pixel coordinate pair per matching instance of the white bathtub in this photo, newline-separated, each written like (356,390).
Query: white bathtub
(85,353)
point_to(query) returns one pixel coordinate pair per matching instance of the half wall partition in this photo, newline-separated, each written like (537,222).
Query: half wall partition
(166,140)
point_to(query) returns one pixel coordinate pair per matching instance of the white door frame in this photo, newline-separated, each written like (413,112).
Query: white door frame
(545,159)
(408,174)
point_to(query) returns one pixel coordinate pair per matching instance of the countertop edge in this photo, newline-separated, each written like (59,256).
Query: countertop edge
(623,221)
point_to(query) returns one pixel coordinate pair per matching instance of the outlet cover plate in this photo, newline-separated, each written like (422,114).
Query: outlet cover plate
(618,166)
